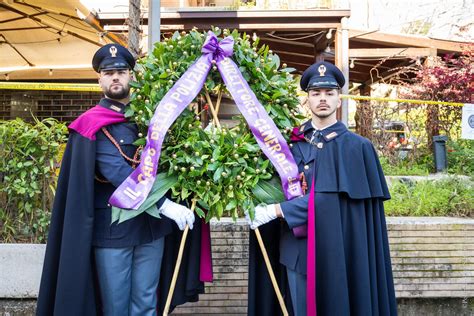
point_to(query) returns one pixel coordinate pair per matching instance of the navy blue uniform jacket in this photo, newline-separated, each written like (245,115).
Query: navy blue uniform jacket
(81,219)
(353,269)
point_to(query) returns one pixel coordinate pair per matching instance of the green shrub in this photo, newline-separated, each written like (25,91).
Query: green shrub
(28,166)
(461,156)
(450,197)
(421,167)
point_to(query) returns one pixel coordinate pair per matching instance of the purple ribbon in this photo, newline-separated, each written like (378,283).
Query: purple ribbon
(134,190)
(262,126)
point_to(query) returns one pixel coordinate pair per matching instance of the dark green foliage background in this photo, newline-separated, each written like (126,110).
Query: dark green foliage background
(29,159)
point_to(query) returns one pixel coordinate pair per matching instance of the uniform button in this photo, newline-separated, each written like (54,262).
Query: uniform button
(306,167)
(121,140)
(291,145)
(108,205)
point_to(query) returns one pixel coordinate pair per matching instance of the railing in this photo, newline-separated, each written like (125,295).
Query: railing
(255,4)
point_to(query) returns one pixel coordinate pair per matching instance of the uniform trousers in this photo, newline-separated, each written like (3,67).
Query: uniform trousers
(297,285)
(128,278)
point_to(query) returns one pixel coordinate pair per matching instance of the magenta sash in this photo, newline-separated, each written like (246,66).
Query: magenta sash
(311,259)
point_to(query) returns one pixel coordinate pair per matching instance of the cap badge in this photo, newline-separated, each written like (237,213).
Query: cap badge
(113,51)
(322,70)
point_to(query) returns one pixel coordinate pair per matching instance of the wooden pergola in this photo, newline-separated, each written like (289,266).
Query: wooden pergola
(299,37)
(302,37)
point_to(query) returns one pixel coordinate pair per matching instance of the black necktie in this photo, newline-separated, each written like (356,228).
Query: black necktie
(317,136)
(317,139)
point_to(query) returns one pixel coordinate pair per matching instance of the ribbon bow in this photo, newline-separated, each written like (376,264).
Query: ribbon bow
(219,50)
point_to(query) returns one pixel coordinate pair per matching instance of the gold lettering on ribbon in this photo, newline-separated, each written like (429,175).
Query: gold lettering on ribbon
(131,193)
(293,185)
(188,83)
(235,80)
(167,110)
(148,163)
(142,179)
(148,168)
(272,143)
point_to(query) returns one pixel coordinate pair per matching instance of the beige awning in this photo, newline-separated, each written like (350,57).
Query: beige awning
(29,33)
(47,39)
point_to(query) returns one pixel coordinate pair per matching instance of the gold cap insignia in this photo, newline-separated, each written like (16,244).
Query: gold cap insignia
(322,70)
(113,51)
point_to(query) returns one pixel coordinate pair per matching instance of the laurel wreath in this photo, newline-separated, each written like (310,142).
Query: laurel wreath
(221,167)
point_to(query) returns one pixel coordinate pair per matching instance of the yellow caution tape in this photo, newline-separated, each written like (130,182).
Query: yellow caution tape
(93,87)
(392,131)
(359,97)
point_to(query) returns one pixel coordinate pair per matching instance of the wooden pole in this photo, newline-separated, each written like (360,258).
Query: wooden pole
(270,271)
(212,108)
(218,103)
(177,266)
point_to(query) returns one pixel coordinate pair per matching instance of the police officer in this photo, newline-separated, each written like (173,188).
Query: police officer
(93,266)
(334,241)
(127,255)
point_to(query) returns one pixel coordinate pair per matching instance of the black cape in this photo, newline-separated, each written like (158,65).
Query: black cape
(353,269)
(68,283)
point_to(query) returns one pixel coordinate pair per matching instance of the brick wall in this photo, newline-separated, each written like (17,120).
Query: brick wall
(227,295)
(432,257)
(62,105)
(432,260)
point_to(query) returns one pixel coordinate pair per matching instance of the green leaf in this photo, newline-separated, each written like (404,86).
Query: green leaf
(140,142)
(115,214)
(129,112)
(218,173)
(162,184)
(231,205)
(219,209)
(199,211)
(288,69)
(184,193)
(153,211)
(268,191)
(175,36)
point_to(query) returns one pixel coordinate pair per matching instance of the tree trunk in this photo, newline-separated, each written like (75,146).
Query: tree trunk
(134,27)
(364,116)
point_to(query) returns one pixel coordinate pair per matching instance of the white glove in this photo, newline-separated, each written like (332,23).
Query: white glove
(179,213)
(263,215)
